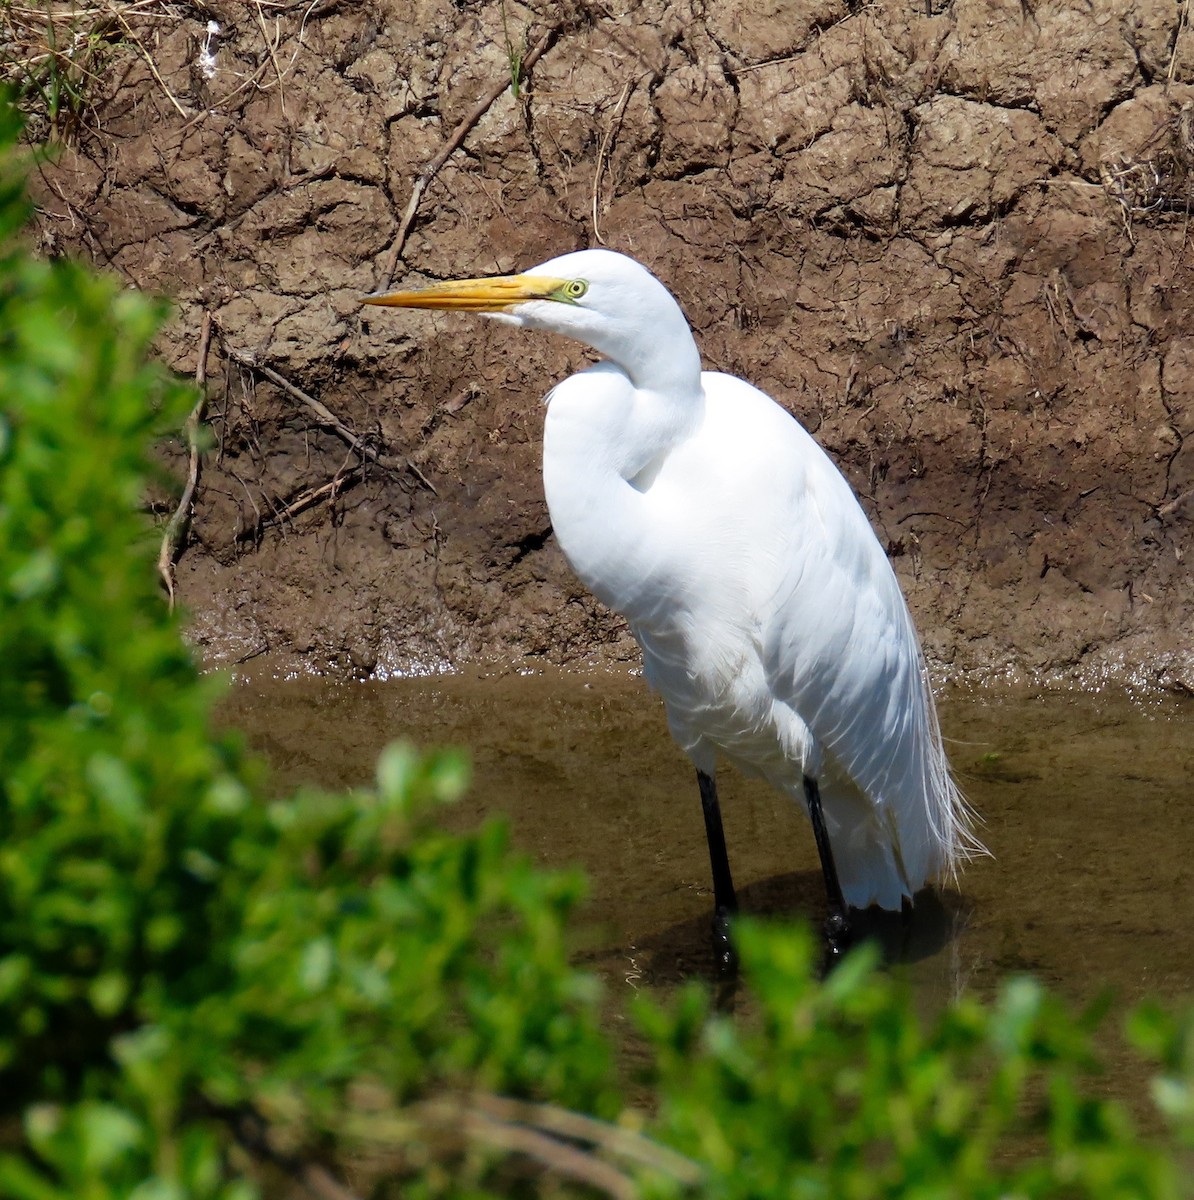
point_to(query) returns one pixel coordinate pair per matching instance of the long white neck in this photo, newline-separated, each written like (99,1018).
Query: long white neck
(643,400)
(629,317)
(657,352)
(610,429)
(605,441)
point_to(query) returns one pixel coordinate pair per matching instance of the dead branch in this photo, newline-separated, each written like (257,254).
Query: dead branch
(554,1155)
(180,522)
(429,172)
(1171,509)
(339,483)
(1183,21)
(564,1143)
(615,122)
(252,1132)
(271,49)
(326,417)
(613,1139)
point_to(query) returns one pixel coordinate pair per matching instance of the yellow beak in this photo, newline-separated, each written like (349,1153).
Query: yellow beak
(475,295)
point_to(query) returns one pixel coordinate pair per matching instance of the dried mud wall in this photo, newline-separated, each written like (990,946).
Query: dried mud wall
(952,238)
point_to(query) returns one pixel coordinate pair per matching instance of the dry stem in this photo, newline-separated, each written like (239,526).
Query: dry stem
(1183,21)
(343,479)
(180,522)
(563,1143)
(62,46)
(326,417)
(253,1133)
(429,172)
(614,121)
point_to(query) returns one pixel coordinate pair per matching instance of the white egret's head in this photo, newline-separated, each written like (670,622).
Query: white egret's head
(598,297)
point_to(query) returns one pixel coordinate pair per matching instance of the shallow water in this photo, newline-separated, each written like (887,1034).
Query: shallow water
(1085,802)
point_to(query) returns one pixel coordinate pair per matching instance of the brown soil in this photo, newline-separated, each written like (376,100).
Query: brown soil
(952,237)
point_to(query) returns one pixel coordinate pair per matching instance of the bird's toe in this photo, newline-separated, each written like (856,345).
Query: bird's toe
(724,954)
(838,934)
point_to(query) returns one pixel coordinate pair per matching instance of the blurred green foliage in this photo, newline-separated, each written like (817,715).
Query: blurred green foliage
(989,1100)
(175,953)
(203,993)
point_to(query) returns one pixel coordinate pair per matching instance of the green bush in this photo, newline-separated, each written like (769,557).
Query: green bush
(836,1090)
(177,955)
(199,987)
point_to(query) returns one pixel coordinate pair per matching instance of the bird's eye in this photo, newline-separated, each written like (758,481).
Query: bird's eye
(575,288)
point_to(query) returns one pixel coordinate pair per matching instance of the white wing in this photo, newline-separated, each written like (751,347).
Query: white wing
(836,643)
(840,649)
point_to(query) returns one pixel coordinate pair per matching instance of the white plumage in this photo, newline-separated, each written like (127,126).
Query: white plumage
(769,617)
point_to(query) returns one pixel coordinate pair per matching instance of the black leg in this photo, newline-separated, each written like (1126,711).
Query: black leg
(725,903)
(837,926)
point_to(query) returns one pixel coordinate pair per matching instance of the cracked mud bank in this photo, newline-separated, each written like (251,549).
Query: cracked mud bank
(953,238)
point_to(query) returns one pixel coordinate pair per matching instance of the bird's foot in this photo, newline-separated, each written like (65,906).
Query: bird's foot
(838,936)
(724,954)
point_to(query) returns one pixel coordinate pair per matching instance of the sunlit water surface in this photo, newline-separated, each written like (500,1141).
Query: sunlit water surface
(1086,803)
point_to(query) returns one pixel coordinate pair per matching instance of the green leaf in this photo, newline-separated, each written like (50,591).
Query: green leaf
(108,993)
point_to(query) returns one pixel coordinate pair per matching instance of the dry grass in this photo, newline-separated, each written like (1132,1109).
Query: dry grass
(52,54)
(55,54)
(1159,178)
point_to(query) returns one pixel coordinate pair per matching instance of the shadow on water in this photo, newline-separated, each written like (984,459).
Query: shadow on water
(680,951)
(1085,802)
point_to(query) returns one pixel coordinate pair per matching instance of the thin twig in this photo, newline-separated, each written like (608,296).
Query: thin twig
(556,1156)
(564,1142)
(429,172)
(180,522)
(327,418)
(271,48)
(314,8)
(128,29)
(340,482)
(222,103)
(563,1122)
(1183,21)
(260,524)
(614,121)
(252,1132)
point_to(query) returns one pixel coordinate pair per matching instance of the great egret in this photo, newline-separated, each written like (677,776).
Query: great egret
(769,617)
